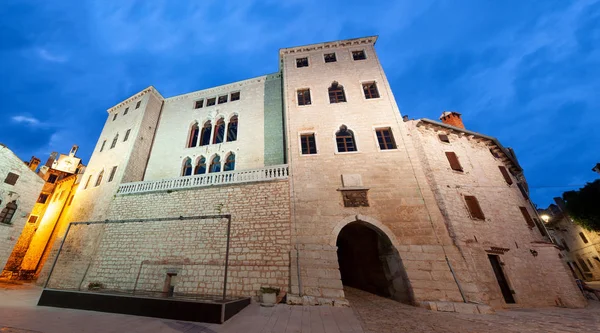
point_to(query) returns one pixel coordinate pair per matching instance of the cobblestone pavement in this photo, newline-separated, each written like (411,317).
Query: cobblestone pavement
(381,315)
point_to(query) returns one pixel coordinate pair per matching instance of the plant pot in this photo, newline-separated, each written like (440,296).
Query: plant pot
(269,299)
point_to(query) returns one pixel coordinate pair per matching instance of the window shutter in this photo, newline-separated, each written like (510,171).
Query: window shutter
(454,163)
(527,217)
(505,174)
(474,208)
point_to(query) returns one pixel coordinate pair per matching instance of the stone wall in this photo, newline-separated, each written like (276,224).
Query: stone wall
(113,254)
(25,192)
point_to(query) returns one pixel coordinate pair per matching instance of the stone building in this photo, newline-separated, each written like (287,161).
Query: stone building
(60,174)
(580,247)
(326,186)
(19,189)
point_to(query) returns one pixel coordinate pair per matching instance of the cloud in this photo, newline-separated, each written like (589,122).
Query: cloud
(46,55)
(26,120)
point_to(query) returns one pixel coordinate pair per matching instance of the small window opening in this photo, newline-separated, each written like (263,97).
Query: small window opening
(370,90)
(199,104)
(126,110)
(235,96)
(42,198)
(330,57)
(115,116)
(103,144)
(304,97)
(137,105)
(359,55)
(222,99)
(99,179)
(205,133)
(444,138)
(87,183)
(453,160)
(474,208)
(114,143)
(7,213)
(307,143)
(336,93)
(11,178)
(211,101)
(345,140)
(302,62)
(112,174)
(583,238)
(505,174)
(52,179)
(385,138)
(527,217)
(126,135)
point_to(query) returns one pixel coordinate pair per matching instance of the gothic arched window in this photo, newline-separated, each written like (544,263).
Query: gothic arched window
(205,133)
(219,131)
(187,167)
(8,212)
(99,179)
(229,162)
(215,164)
(345,140)
(114,143)
(194,130)
(200,166)
(232,129)
(336,93)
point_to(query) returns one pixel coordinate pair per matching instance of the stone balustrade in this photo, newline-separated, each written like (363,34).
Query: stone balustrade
(274,172)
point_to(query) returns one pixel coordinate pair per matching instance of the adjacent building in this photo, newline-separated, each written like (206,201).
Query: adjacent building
(325,186)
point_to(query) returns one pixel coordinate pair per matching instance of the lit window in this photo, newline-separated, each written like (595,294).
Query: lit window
(112,174)
(99,179)
(211,101)
(215,164)
(232,129)
(229,162)
(359,55)
(330,57)
(345,140)
(199,104)
(126,135)
(453,160)
(187,167)
(205,133)
(370,90)
(200,166)
(193,135)
(304,97)
(219,131)
(385,138)
(308,144)
(336,93)
(114,143)
(474,208)
(235,96)
(302,62)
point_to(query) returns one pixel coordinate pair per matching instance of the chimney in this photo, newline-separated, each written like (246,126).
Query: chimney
(405,118)
(51,159)
(74,150)
(452,118)
(34,163)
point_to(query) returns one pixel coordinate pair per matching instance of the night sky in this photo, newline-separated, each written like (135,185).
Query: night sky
(526,72)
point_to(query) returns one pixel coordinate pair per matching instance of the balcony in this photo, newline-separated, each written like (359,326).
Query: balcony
(274,172)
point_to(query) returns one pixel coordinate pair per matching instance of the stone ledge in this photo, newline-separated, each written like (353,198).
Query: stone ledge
(312,300)
(470,308)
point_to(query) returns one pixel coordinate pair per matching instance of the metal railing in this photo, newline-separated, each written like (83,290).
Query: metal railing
(209,179)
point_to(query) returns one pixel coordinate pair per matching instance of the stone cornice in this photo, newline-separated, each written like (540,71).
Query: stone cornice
(329,45)
(150,89)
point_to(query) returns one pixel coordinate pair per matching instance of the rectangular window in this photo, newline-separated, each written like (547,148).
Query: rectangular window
(330,57)
(304,97)
(385,138)
(32,219)
(307,141)
(137,105)
(102,147)
(42,198)
(115,116)
(70,200)
(11,178)
(505,174)
(454,163)
(583,238)
(126,135)
(112,174)
(52,179)
(222,99)
(235,96)
(211,101)
(87,183)
(444,138)
(523,191)
(62,195)
(474,208)
(370,90)
(199,104)
(359,55)
(583,265)
(527,217)
(126,110)
(302,62)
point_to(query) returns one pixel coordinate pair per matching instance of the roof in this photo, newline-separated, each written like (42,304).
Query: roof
(329,45)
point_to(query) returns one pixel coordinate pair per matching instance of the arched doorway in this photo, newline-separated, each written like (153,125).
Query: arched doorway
(368,261)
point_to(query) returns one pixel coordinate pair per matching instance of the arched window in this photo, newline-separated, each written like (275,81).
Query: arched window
(232,128)
(194,130)
(229,162)
(114,143)
(336,93)
(8,212)
(205,133)
(215,164)
(99,179)
(200,166)
(345,140)
(187,167)
(219,131)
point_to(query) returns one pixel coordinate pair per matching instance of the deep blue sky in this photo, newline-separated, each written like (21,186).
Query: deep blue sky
(527,72)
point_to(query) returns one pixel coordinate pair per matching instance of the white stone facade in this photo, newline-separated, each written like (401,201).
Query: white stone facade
(24,193)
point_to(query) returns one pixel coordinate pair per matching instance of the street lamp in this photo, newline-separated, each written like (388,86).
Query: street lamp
(545,217)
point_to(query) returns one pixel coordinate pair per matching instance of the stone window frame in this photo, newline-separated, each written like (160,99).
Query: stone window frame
(362,89)
(334,137)
(374,129)
(212,100)
(325,57)
(351,51)
(234,94)
(309,97)
(300,133)
(300,62)
(199,104)
(344,96)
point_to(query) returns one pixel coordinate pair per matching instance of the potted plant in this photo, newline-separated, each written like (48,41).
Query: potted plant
(269,296)
(95,286)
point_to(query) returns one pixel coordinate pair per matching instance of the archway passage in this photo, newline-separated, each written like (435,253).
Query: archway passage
(368,261)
